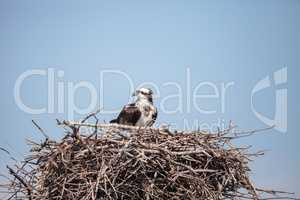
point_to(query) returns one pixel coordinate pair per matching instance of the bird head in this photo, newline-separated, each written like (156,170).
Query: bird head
(143,94)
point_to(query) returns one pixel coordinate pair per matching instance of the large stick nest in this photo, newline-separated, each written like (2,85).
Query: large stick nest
(125,162)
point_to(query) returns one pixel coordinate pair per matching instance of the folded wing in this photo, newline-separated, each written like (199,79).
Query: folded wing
(129,115)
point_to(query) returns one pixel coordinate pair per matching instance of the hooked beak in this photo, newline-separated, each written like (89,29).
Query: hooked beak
(134,93)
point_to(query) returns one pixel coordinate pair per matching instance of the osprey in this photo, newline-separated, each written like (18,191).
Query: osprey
(140,113)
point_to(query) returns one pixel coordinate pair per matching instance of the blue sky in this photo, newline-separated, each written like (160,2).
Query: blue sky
(220,42)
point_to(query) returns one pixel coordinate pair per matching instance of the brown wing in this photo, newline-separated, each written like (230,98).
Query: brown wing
(154,117)
(129,115)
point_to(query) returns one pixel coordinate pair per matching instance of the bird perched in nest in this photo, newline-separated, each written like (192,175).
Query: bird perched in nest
(140,113)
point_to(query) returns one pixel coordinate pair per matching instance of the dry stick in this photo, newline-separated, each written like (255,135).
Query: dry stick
(40,129)
(28,188)
(118,126)
(90,115)
(6,151)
